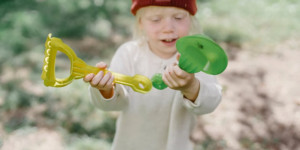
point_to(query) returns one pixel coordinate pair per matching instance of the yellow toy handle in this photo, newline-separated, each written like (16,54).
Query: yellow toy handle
(79,69)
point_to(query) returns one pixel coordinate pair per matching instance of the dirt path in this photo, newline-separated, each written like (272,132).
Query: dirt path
(261,102)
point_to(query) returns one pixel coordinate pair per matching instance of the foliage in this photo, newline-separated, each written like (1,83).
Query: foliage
(94,28)
(253,22)
(24,101)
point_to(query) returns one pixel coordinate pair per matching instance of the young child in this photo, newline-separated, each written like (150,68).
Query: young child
(159,119)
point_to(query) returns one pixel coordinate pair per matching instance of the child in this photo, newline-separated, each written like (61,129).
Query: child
(160,119)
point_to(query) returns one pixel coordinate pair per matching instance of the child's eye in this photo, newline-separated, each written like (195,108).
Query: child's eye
(179,16)
(155,19)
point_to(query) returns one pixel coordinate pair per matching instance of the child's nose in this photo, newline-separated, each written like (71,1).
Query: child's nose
(168,26)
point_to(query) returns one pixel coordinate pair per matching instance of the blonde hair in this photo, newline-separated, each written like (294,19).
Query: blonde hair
(139,35)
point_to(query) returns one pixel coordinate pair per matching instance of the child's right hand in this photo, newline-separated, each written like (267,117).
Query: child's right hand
(100,81)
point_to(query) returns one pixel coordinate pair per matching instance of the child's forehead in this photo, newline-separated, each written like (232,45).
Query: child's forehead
(162,10)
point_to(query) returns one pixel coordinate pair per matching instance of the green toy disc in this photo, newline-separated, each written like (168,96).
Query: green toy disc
(200,53)
(197,53)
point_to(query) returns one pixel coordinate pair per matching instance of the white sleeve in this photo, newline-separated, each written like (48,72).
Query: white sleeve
(209,97)
(117,102)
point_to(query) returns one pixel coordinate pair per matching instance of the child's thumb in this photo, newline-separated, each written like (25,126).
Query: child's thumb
(177,56)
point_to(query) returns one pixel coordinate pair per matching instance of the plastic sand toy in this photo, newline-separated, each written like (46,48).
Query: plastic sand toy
(197,53)
(79,69)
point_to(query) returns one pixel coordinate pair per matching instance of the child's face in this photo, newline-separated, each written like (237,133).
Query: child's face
(163,26)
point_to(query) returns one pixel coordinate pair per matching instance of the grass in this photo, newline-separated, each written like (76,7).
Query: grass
(256,23)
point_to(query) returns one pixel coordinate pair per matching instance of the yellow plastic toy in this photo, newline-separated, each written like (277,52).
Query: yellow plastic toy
(79,69)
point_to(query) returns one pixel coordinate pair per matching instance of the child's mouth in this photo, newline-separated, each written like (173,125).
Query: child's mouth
(169,41)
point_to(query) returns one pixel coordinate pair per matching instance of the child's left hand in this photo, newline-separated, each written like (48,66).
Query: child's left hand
(178,79)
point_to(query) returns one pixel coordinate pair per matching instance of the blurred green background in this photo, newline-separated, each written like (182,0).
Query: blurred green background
(64,117)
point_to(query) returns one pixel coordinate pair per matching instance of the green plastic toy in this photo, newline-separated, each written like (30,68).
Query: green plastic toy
(197,53)
(79,69)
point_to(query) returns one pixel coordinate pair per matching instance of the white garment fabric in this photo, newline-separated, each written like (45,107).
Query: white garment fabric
(159,119)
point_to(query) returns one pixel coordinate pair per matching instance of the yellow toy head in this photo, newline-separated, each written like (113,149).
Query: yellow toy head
(53,45)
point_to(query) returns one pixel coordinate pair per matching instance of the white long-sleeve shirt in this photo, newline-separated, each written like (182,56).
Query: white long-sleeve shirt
(159,119)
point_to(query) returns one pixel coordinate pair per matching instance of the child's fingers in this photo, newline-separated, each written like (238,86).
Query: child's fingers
(169,77)
(164,78)
(105,79)
(179,73)
(95,81)
(171,71)
(88,77)
(109,83)
(169,81)
(176,77)
(101,65)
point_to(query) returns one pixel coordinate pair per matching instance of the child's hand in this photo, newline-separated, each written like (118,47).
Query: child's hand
(178,79)
(100,81)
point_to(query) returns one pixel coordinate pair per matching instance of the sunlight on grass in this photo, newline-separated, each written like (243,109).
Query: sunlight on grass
(257,22)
